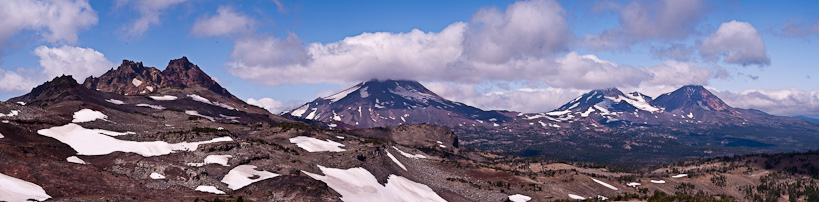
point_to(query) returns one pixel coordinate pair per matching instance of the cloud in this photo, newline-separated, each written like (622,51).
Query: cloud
(56,21)
(522,100)
(786,102)
(525,29)
(675,51)
(272,105)
(149,11)
(280,7)
(801,30)
(69,60)
(647,20)
(738,42)
(12,81)
(677,73)
(226,22)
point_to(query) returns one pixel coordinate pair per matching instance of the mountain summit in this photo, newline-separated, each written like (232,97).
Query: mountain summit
(377,103)
(691,98)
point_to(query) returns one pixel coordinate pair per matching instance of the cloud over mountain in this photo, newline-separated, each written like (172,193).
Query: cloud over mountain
(737,43)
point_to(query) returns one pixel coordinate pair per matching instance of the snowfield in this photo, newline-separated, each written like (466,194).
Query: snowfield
(87,115)
(607,185)
(201,99)
(75,159)
(633,184)
(195,113)
(519,198)
(114,101)
(358,184)
(658,181)
(14,189)
(315,145)
(164,97)
(216,159)
(97,142)
(157,176)
(244,175)
(395,160)
(151,106)
(408,155)
(679,175)
(576,197)
(209,189)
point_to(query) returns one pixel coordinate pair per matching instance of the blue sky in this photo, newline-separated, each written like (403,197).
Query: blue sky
(753,54)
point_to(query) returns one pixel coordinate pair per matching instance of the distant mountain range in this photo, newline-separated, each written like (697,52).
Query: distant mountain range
(690,118)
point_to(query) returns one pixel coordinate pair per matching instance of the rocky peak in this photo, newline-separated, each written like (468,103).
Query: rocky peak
(691,97)
(130,78)
(591,98)
(181,72)
(64,86)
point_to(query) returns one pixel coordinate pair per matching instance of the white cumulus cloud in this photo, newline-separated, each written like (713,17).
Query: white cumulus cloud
(272,105)
(56,20)
(12,81)
(738,42)
(647,20)
(70,60)
(149,11)
(226,22)
(786,102)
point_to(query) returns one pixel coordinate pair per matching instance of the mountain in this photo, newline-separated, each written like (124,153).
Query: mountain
(379,103)
(808,119)
(604,124)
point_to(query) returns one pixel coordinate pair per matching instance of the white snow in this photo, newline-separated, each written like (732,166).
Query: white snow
(336,116)
(300,111)
(342,94)
(679,175)
(359,185)
(21,103)
(151,106)
(1,135)
(519,198)
(216,159)
(396,160)
(150,88)
(164,97)
(340,137)
(157,176)
(14,189)
(231,118)
(588,111)
(690,115)
(97,142)
(195,113)
(312,114)
(364,93)
(75,159)
(201,99)
(607,185)
(636,101)
(576,197)
(11,113)
(209,189)
(315,145)
(408,155)
(115,101)
(136,82)
(87,115)
(658,181)
(244,175)
(633,184)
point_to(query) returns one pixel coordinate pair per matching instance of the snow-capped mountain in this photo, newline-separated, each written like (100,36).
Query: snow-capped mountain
(378,103)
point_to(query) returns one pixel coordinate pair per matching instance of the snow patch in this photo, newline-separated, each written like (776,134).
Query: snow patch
(215,159)
(364,93)
(150,106)
(75,159)
(633,184)
(359,185)
(87,115)
(157,176)
(658,181)
(607,185)
(576,197)
(98,142)
(115,101)
(201,99)
(21,103)
(679,175)
(244,175)
(136,82)
(164,97)
(300,111)
(209,189)
(519,198)
(11,113)
(396,160)
(150,88)
(14,189)
(338,96)
(195,113)
(408,155)
(312,114)
(315,145)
